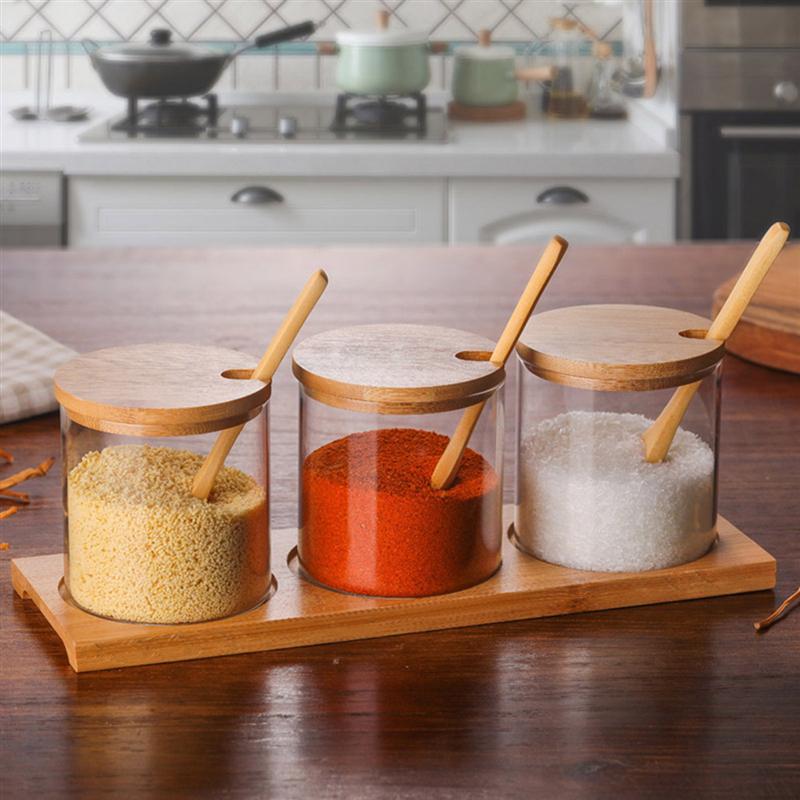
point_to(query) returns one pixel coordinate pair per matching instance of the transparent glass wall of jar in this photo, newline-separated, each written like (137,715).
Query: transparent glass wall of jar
(370,523)
(139,547)
(586,497)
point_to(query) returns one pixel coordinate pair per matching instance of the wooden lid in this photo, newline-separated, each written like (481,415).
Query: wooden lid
(160,389)
(397,369)
(619,347)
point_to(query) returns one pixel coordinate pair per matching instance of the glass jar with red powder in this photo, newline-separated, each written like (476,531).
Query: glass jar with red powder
(378,404)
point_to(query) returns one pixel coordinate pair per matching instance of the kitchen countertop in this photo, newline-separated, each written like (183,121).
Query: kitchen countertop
(533,147)
(682,699)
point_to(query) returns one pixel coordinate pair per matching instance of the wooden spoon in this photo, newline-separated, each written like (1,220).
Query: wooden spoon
(445,472)
(658,437)
(277,349)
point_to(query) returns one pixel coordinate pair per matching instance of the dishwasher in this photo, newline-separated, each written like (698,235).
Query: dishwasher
(32,212)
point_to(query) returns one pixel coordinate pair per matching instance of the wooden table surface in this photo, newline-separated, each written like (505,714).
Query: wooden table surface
(680,699)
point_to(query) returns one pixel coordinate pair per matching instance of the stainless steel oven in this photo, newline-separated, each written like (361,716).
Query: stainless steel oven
(740,117)
(740,23)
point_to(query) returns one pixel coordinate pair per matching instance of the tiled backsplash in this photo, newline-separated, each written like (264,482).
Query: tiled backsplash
(292,66)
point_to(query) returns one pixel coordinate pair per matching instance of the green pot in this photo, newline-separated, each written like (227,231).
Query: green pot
(484,76)
(382,62)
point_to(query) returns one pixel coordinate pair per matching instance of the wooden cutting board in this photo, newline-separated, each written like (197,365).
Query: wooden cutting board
(769,331)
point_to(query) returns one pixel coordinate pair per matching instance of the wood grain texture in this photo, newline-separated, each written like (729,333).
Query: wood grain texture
(681,699)
(160,389)
(300,613)
(618,347)
(769,331)
(506,113)
(397,369)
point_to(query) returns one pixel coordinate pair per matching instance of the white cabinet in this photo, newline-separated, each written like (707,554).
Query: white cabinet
(258,210)
(530,211)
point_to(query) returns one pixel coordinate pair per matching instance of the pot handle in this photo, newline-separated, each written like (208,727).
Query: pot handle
(327,48)
(285,34)
(534,73)
(438,47)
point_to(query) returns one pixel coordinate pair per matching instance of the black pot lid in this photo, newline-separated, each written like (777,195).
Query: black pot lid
(159,48)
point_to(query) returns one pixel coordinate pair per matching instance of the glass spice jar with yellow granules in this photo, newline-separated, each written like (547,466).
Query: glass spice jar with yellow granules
(137,424)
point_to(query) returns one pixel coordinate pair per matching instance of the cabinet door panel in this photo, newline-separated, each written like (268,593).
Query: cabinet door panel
(522,211)
(230,211)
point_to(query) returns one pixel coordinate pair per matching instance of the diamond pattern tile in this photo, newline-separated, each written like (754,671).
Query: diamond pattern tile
(244,16)
(523,22)
(201,19)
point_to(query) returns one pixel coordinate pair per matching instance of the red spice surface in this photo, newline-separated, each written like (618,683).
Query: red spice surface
(371,523)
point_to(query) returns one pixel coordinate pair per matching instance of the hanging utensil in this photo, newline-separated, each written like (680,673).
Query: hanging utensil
(43,93)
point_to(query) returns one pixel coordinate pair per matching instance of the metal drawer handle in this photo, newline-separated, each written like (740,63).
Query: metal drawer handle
(256,196)
(562,195)
(760,132)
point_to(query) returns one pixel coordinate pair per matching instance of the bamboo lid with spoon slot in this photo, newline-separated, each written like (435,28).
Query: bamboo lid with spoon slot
(160,390)
(396,368)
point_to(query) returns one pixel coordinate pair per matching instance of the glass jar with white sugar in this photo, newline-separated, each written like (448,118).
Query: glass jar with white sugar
(593,380)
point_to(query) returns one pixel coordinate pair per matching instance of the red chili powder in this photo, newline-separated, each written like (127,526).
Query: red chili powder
(371,523)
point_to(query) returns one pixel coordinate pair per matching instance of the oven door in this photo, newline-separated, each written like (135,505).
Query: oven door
(740,23)
(745,173)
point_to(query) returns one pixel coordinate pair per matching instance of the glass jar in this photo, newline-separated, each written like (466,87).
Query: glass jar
(566,97)
(592,379)
(602,96)
(136,425)
(378,404)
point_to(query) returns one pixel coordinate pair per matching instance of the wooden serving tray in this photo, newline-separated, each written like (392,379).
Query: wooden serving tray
(300,613)
(769,331)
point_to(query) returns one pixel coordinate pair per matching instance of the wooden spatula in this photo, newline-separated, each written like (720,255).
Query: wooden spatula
(658,437)
(273,355)
(445,472)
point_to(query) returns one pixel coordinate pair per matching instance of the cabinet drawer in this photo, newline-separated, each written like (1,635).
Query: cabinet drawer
(223,211)
(522,211)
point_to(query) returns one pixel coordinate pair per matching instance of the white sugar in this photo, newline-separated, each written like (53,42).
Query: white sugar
(589,500)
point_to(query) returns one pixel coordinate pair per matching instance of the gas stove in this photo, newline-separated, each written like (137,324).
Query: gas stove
(353,118)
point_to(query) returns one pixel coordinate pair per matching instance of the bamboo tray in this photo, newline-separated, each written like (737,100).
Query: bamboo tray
(299,613)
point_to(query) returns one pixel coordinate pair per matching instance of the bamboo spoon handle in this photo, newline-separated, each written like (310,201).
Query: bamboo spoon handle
(273,355)
(658,437)
(447,467)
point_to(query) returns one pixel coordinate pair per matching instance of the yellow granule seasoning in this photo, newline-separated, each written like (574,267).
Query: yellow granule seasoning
(142,548)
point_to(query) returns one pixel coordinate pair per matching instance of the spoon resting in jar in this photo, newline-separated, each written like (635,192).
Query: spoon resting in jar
(273,355)
(658,437)
(447,467)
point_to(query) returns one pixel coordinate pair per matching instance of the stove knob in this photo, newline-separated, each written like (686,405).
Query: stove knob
(786,92)
(239,126)
(287,127)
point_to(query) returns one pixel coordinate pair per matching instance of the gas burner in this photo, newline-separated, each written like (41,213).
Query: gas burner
(381,115)
(352,119)
(168,114)
(169,118)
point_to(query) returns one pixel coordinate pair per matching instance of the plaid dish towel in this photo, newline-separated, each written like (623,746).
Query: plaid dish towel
(28,359)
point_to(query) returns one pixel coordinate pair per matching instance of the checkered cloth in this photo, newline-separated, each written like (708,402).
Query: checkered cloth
(28,359)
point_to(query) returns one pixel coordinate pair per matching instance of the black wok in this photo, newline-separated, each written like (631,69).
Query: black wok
(162,68)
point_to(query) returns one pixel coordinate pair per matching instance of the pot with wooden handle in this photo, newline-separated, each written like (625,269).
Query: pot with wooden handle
(487,75)
(382,61)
